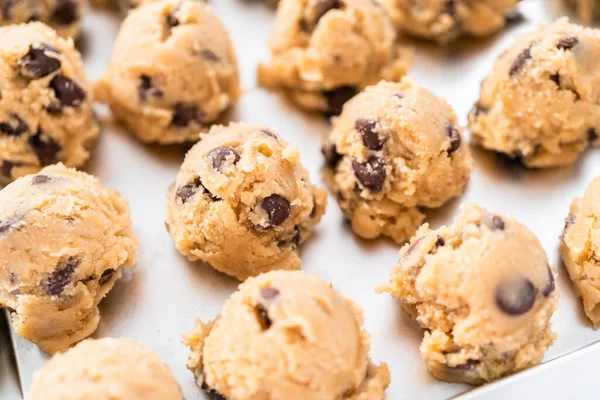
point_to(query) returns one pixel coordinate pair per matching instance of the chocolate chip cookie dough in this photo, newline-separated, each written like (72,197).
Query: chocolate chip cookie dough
(64,16)
(395,149)
(105,369)
(483,290)
(46,111)
(243,202)
(326,51)
(63,241)
(286,335)
(445,21)
(540,104)
(580,249)
(173,71)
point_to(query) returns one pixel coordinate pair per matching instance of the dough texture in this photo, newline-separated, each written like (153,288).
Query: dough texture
(286,335)
(325,51)
(105,369)
(541,102)
(243,202)
(173,71)
(63,241)
(395,149)
(445,21)
(580,249)
(64,16)
(46,113)
(483,290)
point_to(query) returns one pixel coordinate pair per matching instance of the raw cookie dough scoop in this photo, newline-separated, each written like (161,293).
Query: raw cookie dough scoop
(64,16)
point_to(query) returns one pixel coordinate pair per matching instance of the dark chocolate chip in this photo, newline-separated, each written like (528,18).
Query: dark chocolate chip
(493,222)
(15,126)
(440,242)
(450,8)
(277,208)
(172,20)
(61,277)
(455,138)
(147,89)
(269,293)
(467,366)
(184,114)
(263,317)
(551,285)
(336,99)
(221,155)
(40,179)
(514,17)
(8,224)
(520,62)
(592,135)
(516,295)
(371,173)
(106,276)
(67,91)
(13,278)
(567,42)
(44,147)
(370,137)
(41,60)
(65,12)
(7,166)
(185,192)
(332,157)
(209,55)
(555,78)
(324,6)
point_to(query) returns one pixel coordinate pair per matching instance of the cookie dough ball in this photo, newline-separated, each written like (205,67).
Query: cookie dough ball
(580,249)
(173,71)
(46,111)
(395,149)
(483,290)
(105,369)
(541,102)
(445,21)
(587,10)
(325,51)
(63,241)
(243,202)
(64,16)
(286,335)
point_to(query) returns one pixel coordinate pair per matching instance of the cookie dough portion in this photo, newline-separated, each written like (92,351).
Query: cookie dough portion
(173,71)
(541,102)
(483,290)
(53,287)
(395,149)
(580,249)
(105,369)
(64,16)
(286,335)
(587,10)
(46,113)
(243,202)
(445,21)
(326,51)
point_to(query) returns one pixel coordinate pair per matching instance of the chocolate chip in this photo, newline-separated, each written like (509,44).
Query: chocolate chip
(592,135)
(336,99)
(106,276)
(67,91)
(449,8)
(332,157)
(221,155)
(209,55)
(567,42)
(172,20)
(40,179)
(41,60)
(467,366)
(514,17)
(61,277)
(269,293)
(263,317)
(370,137)
(147,89)
(520,62)
(184,114)
(7,166)
(65,12)
(15,126)
(455,139)
(551,285)
(269,133)
(324,6)
(185,192)
(13,278)
(44,147)
(440,242)
(516,295)
(398,95)
(493,222)
(277,208)
(555,78)
(8,224)
(371,173)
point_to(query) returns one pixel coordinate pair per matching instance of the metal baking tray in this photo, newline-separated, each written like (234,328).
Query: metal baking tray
(158,300)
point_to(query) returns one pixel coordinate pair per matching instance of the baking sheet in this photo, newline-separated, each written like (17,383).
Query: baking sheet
(160,298)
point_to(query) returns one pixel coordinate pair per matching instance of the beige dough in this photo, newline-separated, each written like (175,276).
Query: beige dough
(64,16)
(483,290)
(580,249)
(541,102)
(447,20)
(243,202)
(325,51)
(587,10)
(286,335)
(395,149)
(46,111)
(105,369)
(173,71)
(63,241)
